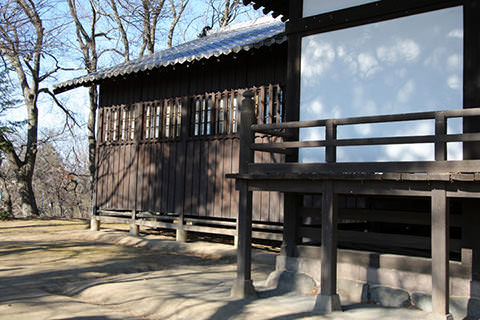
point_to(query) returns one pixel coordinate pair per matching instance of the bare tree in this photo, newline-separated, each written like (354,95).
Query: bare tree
(145,18)
(130,15)
(5,185)
(121,28)
(230,12)
(87,40)
(61,184)
(23,42)
(223,12)
(150,16)
(176,8)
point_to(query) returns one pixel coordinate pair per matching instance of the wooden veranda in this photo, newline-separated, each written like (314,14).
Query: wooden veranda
(439,180)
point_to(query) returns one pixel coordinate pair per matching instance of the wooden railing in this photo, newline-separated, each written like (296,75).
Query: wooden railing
(440,138)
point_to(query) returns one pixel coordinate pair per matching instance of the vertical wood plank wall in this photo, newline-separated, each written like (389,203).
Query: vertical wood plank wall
(175,174)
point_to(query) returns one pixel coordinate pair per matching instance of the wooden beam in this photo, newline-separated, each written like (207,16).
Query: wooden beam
(365,167)
(456,113)
(439,140)
(440,252)
(364,14)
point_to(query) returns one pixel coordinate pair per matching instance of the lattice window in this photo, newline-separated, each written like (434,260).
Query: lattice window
(173,118)
(106,130)
(269,102)
(218,113)
(115,124)
(118,124)
(152,120)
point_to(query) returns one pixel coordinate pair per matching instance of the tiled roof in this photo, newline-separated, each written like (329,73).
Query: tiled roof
(277,7)
(232,39)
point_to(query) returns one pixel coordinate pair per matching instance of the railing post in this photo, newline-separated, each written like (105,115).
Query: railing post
(440,131)
(243,286)
(247,137)
(330,136)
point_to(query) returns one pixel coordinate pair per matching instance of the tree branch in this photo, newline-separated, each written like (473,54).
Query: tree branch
(59,104)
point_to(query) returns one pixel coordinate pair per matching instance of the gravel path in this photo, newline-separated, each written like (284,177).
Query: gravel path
(59,270)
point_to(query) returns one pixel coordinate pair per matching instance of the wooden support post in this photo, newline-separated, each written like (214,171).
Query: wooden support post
(134,228)
(440,130)
(328,300)
(94,224)
(470,238)
(471,73)
(440,252)
(292,112)
(138,137)
(290,225)
(181,233)
(243,286)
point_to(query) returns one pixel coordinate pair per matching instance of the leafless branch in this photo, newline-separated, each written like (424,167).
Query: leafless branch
(67,112)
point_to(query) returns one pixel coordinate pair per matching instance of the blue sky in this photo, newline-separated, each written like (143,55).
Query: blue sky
(50,116)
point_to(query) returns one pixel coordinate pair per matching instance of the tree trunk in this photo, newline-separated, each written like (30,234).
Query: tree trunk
(93,98)
(8,202)
(27,197)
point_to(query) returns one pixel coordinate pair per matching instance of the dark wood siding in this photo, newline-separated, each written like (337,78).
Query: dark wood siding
(186,173)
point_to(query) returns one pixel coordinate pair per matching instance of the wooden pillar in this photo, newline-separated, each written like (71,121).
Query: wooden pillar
(470,238)
(138,112)
(471,73)
(134,228)
(94,222)
(243,285)
(290,225)
(328,299)
(181,233)
(292,109)
(440,252)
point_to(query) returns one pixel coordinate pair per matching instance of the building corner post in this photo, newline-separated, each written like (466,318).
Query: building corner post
(243,285)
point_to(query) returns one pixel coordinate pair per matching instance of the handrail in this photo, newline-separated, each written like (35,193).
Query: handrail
(429,115)
(440,138)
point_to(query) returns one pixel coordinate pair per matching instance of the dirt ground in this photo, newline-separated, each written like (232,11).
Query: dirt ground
(60,270)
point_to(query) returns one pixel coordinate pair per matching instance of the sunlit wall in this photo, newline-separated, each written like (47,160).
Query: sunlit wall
(404,65)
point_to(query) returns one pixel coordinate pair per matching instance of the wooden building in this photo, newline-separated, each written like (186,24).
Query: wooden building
(168,131)
(425,207)
(169,146)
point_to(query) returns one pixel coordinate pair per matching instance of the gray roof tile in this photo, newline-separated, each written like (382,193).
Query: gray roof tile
(224,41)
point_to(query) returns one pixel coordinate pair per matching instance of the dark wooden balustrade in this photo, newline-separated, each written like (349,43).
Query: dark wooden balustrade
(440,139)
(437,179)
